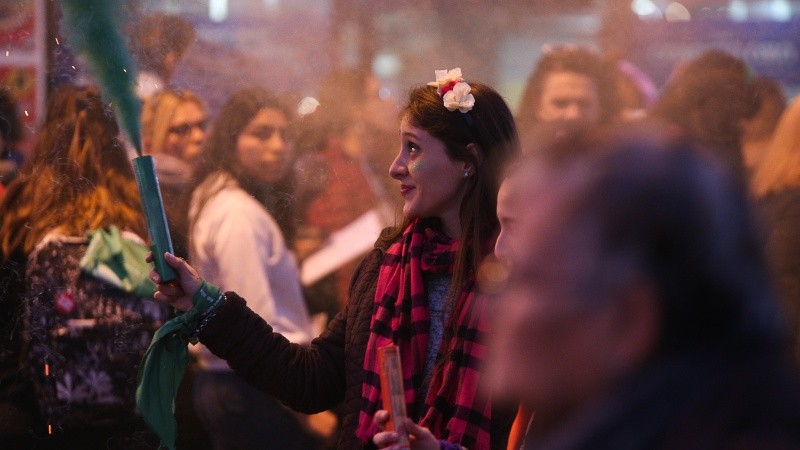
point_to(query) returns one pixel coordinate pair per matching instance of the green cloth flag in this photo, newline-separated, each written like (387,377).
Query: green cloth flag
(118,261)
(164,364)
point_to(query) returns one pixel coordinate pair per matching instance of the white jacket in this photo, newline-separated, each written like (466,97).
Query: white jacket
(237,245)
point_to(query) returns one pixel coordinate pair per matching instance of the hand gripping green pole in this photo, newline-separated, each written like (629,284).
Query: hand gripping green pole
(154,215)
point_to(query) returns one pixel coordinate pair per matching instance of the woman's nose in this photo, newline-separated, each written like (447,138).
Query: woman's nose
(398,169)
(277,142)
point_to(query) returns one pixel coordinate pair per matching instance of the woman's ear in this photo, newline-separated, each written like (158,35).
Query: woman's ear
(471,164)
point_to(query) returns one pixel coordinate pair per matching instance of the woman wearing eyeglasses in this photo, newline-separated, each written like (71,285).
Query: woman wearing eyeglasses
(174,124)
(174,131)
(240,225)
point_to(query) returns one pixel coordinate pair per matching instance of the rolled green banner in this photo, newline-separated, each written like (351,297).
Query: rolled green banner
(154,215)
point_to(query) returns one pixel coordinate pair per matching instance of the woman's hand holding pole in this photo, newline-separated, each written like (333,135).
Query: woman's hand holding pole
(177,293)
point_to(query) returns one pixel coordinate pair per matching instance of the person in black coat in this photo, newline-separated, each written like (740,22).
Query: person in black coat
(638,311)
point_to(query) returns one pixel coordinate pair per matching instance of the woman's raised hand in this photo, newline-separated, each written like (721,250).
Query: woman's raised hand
(420,437)
(177,293)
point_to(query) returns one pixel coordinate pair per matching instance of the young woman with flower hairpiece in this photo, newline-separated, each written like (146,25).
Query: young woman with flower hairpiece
(416,289)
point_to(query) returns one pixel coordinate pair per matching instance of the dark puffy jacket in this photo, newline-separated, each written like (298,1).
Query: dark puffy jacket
(314,377)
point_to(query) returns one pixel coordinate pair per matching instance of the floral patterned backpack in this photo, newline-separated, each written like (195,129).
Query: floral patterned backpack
(85,338)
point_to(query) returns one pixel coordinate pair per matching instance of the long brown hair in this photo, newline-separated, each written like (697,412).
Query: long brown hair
(780,166)
(490,127)
(78,178)
(709,98)
(219,154)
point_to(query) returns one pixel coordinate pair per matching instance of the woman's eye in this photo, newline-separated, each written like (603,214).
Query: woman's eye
(413,148)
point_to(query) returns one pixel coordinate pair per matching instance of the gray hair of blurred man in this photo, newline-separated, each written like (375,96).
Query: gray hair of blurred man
(661,209)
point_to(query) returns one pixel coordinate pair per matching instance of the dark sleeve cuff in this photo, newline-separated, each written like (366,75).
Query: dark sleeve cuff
(230,313)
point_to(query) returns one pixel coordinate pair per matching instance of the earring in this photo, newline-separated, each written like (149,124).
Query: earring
(466,174)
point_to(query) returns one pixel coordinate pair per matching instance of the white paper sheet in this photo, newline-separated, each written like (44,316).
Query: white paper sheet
(342,246)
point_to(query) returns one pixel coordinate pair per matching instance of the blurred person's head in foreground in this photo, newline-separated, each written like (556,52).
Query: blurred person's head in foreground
(78,179)
(571,91)
(710,98)
(639,252)
(174,123)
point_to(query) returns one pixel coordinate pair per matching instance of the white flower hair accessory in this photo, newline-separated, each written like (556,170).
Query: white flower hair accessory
(454,90)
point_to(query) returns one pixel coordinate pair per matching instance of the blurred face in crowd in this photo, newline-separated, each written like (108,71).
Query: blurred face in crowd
(508,222)
(512,198)
(557,340)
(263,147)
(571,100)
(187,131)
(431,184)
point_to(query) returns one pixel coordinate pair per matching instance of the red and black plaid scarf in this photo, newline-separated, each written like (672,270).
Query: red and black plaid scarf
(453,409)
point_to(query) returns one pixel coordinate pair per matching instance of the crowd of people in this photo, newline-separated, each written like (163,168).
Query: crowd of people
(608,266)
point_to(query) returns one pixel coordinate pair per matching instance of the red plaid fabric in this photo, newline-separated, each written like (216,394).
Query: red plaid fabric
(453,409)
